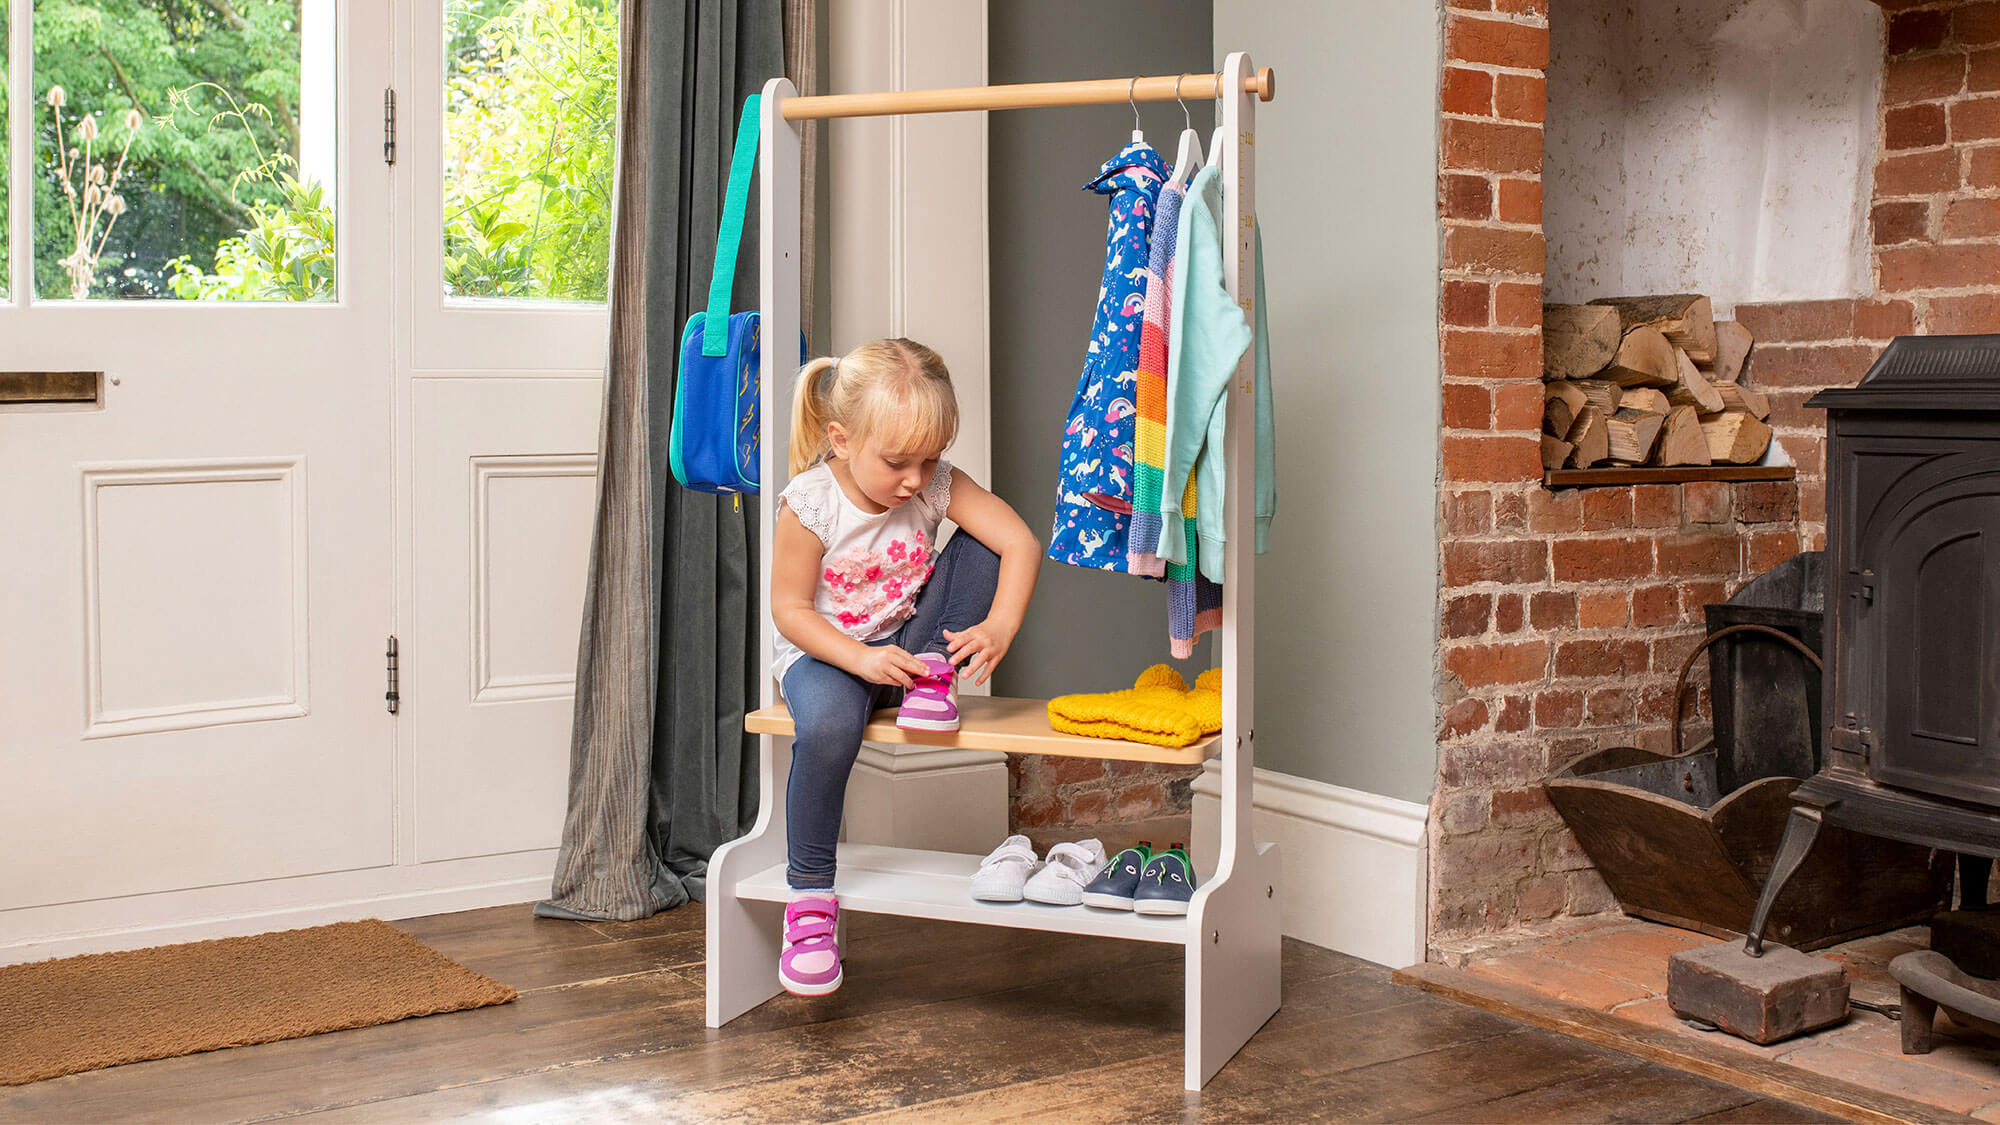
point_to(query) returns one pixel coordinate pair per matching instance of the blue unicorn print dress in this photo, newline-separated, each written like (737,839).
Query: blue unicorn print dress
(1094,482)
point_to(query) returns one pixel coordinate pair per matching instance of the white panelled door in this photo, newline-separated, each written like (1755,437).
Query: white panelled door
(201,571)
(503,224)
(196,572)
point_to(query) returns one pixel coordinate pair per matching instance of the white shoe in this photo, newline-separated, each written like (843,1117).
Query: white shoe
(1004,870)
(1061,880)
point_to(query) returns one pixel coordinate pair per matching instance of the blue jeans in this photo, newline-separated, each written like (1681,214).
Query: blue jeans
(830,706)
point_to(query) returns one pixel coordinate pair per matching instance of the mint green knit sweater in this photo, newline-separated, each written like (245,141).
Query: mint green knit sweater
(1208,338)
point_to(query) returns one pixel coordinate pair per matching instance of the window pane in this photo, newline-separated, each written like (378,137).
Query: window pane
(184,150)
(6,150)
(531,92)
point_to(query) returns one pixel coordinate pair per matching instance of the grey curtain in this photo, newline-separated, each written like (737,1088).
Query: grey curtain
(661,772)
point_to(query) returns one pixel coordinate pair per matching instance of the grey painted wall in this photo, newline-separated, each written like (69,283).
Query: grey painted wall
(1086,631)
(1346,189)
(1346,182)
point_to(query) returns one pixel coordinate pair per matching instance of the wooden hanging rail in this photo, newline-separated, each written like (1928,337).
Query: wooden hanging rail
(1029,95)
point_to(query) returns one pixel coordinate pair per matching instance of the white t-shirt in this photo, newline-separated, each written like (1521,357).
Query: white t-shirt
(874,565)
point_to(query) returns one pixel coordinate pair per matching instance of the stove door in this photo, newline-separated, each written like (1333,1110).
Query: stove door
(1932,607)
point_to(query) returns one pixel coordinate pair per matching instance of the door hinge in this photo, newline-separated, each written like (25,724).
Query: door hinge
(393,695)
(389,125)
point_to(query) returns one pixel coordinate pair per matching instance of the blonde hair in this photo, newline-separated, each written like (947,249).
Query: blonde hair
(895,391)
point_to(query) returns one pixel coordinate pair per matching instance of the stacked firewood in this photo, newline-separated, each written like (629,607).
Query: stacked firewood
(1647,381)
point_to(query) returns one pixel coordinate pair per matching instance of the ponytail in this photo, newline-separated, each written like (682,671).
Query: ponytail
(896,391)
(809,415)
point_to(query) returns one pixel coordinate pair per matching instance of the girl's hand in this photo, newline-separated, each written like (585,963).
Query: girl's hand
(887,664)
(980,648)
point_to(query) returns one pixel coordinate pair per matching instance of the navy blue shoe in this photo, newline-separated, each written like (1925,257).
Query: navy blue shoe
(1166,884)
(1113,887)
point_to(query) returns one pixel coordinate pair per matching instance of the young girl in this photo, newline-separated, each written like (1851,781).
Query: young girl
(868,611)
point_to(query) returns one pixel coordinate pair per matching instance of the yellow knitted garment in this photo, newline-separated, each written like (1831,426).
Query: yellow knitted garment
(1159,709)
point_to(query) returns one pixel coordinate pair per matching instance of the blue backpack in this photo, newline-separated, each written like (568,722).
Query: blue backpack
(712,444)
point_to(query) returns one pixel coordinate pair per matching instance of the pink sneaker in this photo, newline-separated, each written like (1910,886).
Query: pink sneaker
(932,703)
(810,962)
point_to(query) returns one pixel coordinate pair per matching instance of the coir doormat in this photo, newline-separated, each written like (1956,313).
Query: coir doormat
(103,1009)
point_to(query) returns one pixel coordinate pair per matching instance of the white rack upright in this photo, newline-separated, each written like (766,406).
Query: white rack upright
(1231,930)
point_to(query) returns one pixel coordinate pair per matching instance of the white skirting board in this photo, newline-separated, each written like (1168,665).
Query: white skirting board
(236,909)
(1355,865)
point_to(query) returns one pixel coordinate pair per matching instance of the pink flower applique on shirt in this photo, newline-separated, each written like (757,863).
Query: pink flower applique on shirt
(866,587)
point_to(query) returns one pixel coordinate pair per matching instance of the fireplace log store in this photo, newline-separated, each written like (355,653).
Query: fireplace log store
(1913,592)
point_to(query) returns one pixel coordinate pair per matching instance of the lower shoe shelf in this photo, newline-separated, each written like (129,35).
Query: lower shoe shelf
(919,884)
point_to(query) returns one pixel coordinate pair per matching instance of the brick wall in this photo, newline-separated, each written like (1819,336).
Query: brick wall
(1802,347)
(1563,615)
(1121,803)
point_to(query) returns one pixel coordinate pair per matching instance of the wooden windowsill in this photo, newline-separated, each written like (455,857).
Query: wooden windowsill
(1645,474)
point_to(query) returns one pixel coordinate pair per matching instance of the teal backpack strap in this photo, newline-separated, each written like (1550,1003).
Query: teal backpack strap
(742,161)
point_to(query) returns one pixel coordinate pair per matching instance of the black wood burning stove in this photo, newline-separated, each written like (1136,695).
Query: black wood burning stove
(1912,689)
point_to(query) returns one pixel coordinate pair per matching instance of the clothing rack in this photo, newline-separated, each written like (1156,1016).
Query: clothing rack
(1231,931)
(1028,95)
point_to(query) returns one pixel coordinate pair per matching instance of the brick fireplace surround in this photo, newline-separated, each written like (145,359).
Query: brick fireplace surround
(1563,615)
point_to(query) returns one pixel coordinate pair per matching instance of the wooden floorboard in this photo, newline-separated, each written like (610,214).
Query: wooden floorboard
(1765,1111)
(937,1023)
(1645,1093)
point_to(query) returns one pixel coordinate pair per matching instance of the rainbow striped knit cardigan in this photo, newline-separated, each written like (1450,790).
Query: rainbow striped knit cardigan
(1149,444)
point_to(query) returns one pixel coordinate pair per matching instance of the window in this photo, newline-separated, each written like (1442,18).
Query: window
(184,149)
(530,105)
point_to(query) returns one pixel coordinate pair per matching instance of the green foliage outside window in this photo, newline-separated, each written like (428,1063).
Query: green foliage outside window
(286,256)
(179,63)
(530,97)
